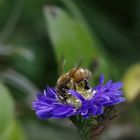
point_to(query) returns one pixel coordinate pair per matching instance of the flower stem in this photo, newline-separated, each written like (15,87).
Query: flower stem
(83,126)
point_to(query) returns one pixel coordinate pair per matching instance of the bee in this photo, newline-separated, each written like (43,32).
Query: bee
(75,78)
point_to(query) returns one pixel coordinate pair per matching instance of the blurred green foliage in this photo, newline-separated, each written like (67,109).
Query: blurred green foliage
(37,37)
(6,108)
(13,132)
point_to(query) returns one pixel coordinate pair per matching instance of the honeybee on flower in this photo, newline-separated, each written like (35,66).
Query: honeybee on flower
(74,96)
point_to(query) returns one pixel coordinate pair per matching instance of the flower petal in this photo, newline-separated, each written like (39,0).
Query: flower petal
(77,95)
(101,80)
(49,93)
(62,110)
(116,86)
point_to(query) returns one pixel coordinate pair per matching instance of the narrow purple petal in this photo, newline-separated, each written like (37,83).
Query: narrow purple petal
(77,95)
(107,86)
(49,93)
(65,112)
(116,86)
(44,113)
(62,110)
(101,80)
(100,110)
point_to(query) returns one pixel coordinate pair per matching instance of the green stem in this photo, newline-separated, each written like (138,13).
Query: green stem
(82,126)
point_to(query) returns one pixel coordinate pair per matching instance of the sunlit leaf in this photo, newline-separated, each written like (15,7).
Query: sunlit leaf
(13,132)
(70,38)
(132,82)
(6,108)
(73,42)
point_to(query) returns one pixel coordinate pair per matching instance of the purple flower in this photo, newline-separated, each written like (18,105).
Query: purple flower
(92,102)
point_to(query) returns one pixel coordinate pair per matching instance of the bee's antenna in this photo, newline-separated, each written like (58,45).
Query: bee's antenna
(61,65)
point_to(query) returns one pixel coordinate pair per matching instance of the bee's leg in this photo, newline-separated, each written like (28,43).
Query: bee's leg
(86,84)
(62,93)
(74,86)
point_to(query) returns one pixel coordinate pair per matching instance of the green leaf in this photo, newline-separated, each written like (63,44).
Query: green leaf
(20,82)
(70,38)
(6,108)
(13,132)
(132,82)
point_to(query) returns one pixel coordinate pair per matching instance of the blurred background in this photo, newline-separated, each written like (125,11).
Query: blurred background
(40,39)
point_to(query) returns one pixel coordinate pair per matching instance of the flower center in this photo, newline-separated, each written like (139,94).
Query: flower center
(81,88)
